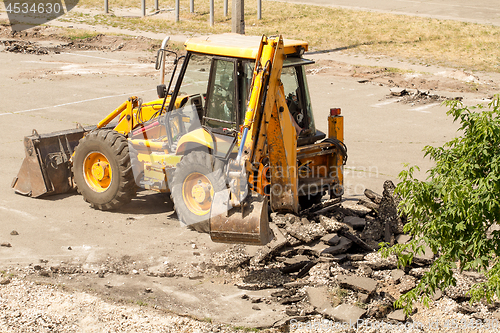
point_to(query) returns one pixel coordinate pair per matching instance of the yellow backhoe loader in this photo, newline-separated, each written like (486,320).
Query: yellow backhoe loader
(232,134)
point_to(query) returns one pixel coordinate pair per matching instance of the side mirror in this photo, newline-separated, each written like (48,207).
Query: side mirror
(161,90)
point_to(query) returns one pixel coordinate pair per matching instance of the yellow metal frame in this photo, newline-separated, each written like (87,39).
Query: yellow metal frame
(336,130)
(127,113)
(238,46)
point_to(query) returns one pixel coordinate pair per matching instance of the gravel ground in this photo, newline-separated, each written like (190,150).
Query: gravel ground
(29,307)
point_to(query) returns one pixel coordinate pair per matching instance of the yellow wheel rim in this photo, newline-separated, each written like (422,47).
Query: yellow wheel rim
(97,171)
(197,192)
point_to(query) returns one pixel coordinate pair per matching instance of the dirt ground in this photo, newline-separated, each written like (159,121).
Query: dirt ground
(140,255)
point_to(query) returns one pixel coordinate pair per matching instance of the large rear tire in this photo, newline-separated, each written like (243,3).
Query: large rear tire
(197,177)
(102,170)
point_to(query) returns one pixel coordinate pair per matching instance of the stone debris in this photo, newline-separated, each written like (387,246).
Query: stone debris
(398,315)
(357,283)
(306,232)
(330,224)
(344,245)
(332,253)
(415,96)
(397,274)
(347,313)
(231,258)
(4,281)
(18,46)
(322,207)
(319,266)
(355,222)
(406,283)
(426,258)
(277,243)
(374,197)
(368,204)
(349,208)
(331,239)
(355,239)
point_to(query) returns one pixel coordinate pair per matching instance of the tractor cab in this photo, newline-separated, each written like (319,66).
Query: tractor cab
(216,78)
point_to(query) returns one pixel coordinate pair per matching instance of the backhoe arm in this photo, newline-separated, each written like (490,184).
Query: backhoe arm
(268,125)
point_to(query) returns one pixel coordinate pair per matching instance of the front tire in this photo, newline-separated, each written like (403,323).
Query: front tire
(102,170)
(197,177)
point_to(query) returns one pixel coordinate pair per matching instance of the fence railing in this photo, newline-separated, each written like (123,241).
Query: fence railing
(237,4)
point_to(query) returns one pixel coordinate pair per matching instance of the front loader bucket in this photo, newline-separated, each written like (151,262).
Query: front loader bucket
(46,167)
(236,227)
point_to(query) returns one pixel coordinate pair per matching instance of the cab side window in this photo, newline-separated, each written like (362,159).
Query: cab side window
(221,96)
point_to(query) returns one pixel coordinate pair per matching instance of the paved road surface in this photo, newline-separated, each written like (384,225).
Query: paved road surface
(480,11)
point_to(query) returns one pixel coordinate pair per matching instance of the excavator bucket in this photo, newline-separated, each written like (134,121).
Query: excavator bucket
(46,169)
(248,224)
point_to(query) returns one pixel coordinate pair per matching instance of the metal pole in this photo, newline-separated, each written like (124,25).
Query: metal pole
(259,9)
(238,17)
(191,6)
(177,11)
(106,7)
(143,8)
(225,7)
(157,5)
(211,13)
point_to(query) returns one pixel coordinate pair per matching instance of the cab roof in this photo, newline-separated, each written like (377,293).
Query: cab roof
(238,46)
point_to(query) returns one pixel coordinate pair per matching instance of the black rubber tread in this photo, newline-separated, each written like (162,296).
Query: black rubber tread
(202,162)
(115,147)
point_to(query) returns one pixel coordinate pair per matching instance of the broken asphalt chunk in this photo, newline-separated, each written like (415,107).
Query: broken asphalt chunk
(350,208)
(358,241)
(368,204)
(373,196)
(306,232)
(277,243)
(307,268)
(321,207)
(398,315)
(347,313)
(355,222)
(331,239)
(357,283)
(330,224)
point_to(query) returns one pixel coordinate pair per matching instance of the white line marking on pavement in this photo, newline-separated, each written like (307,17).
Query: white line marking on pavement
(423,108)
(77,102)
(378,105)
(89,56)
(20,212)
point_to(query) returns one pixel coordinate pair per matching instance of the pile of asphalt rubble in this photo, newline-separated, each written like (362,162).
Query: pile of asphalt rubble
(415,96)
(28,47)
(325,264)
(23,47)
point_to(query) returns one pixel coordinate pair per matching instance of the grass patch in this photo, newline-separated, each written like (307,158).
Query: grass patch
(141,303)
(80,34)
(338,294)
